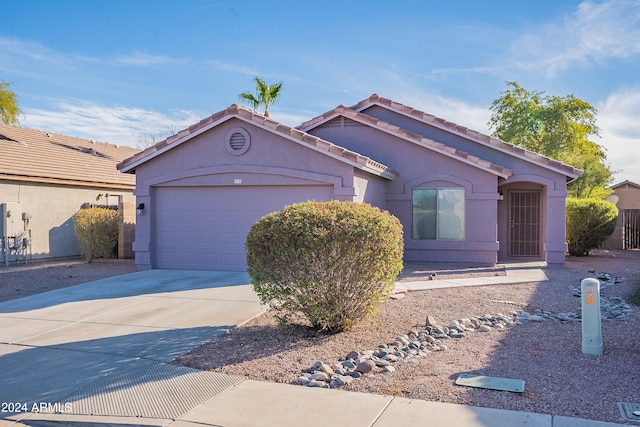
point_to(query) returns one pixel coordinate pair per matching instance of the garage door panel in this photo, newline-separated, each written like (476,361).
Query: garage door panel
(205,228)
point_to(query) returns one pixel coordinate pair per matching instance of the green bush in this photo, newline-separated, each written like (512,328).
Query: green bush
(333,262)
(97,232)
(589,223)
(634,295)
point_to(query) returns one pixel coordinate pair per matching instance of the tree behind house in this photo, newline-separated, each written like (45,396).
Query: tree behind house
(9,110)
(265,95)
(556,127)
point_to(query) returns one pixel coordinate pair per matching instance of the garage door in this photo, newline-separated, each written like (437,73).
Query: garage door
(204,228)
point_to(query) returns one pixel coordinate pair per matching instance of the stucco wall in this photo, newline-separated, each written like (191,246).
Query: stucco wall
(421,167)
(628,196)
(52,208)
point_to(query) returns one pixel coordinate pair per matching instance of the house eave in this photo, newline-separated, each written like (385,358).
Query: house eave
(66,182)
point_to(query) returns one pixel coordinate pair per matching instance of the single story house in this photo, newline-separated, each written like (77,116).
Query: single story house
(45,179)
(461,196)
(626,196)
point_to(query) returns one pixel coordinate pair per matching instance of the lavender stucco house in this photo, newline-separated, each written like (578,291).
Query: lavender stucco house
(462,196)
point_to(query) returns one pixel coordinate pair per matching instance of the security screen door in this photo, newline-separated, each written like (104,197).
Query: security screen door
(524,223)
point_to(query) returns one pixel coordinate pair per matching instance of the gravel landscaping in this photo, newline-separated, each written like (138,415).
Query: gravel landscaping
(544,352)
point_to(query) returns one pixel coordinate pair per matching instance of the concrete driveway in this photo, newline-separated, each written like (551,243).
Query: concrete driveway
(99,347)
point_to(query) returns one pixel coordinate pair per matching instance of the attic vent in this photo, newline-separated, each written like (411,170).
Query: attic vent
(238,141)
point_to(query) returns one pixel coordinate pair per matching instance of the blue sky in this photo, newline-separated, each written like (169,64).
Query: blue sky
(129,71)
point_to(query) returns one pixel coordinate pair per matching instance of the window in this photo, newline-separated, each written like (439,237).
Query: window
(438,214)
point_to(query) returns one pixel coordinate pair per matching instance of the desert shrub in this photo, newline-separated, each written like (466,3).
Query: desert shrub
(333,262)
(97,232)
(634,295)
(589,223)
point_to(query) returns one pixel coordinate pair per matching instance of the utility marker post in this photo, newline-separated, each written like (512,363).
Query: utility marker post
(591,323)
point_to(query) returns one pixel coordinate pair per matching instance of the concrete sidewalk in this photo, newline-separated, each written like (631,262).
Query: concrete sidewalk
(521,272)
(98,355)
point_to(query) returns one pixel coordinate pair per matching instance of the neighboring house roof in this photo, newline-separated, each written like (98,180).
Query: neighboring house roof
(625,183)
(44,157)
(236,111)
(473,135)
(409,136)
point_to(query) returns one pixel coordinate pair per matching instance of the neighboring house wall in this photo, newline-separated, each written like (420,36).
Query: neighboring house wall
(51,177)
(52,208)
(628,195)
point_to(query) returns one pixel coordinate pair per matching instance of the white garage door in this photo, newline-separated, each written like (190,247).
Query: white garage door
(204,228)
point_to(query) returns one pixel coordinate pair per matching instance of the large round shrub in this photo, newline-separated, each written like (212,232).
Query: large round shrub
(589,223)
(97,232)
(333,262)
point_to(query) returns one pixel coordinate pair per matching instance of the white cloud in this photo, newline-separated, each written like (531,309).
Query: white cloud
(234,68)
(113,124)
(144,59)
(454,110)
(620,131)
(12,50)
(596,31)
(397,86)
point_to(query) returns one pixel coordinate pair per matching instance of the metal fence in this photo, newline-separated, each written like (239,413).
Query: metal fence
(627,232)
(630,222)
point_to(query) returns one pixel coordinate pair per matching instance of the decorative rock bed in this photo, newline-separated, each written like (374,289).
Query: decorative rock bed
(420,342)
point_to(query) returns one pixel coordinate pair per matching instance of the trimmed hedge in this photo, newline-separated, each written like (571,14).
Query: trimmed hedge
(589,223)
(97,232)
(333,262)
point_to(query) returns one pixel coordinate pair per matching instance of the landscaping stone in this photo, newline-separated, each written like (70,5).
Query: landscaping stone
(420,342)
(366,367)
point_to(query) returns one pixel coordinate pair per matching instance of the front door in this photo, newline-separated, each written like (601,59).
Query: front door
(524,223)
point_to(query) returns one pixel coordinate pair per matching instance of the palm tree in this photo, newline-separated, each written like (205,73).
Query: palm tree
(265,95)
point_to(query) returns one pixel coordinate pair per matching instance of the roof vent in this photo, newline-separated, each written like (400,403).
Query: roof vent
(237,141)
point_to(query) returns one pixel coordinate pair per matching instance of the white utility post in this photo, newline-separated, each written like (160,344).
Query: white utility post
(591,323)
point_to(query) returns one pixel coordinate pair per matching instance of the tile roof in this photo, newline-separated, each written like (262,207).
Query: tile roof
(238,111)
(481,138)
(410,136)
(626,183)
(45,157)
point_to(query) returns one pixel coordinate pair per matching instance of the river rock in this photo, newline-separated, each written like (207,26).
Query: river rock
(366,366)
(431,321)
(353,355)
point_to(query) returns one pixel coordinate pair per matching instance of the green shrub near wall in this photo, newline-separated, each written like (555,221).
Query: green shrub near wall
(589,223)
(333,262)
(97,232)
